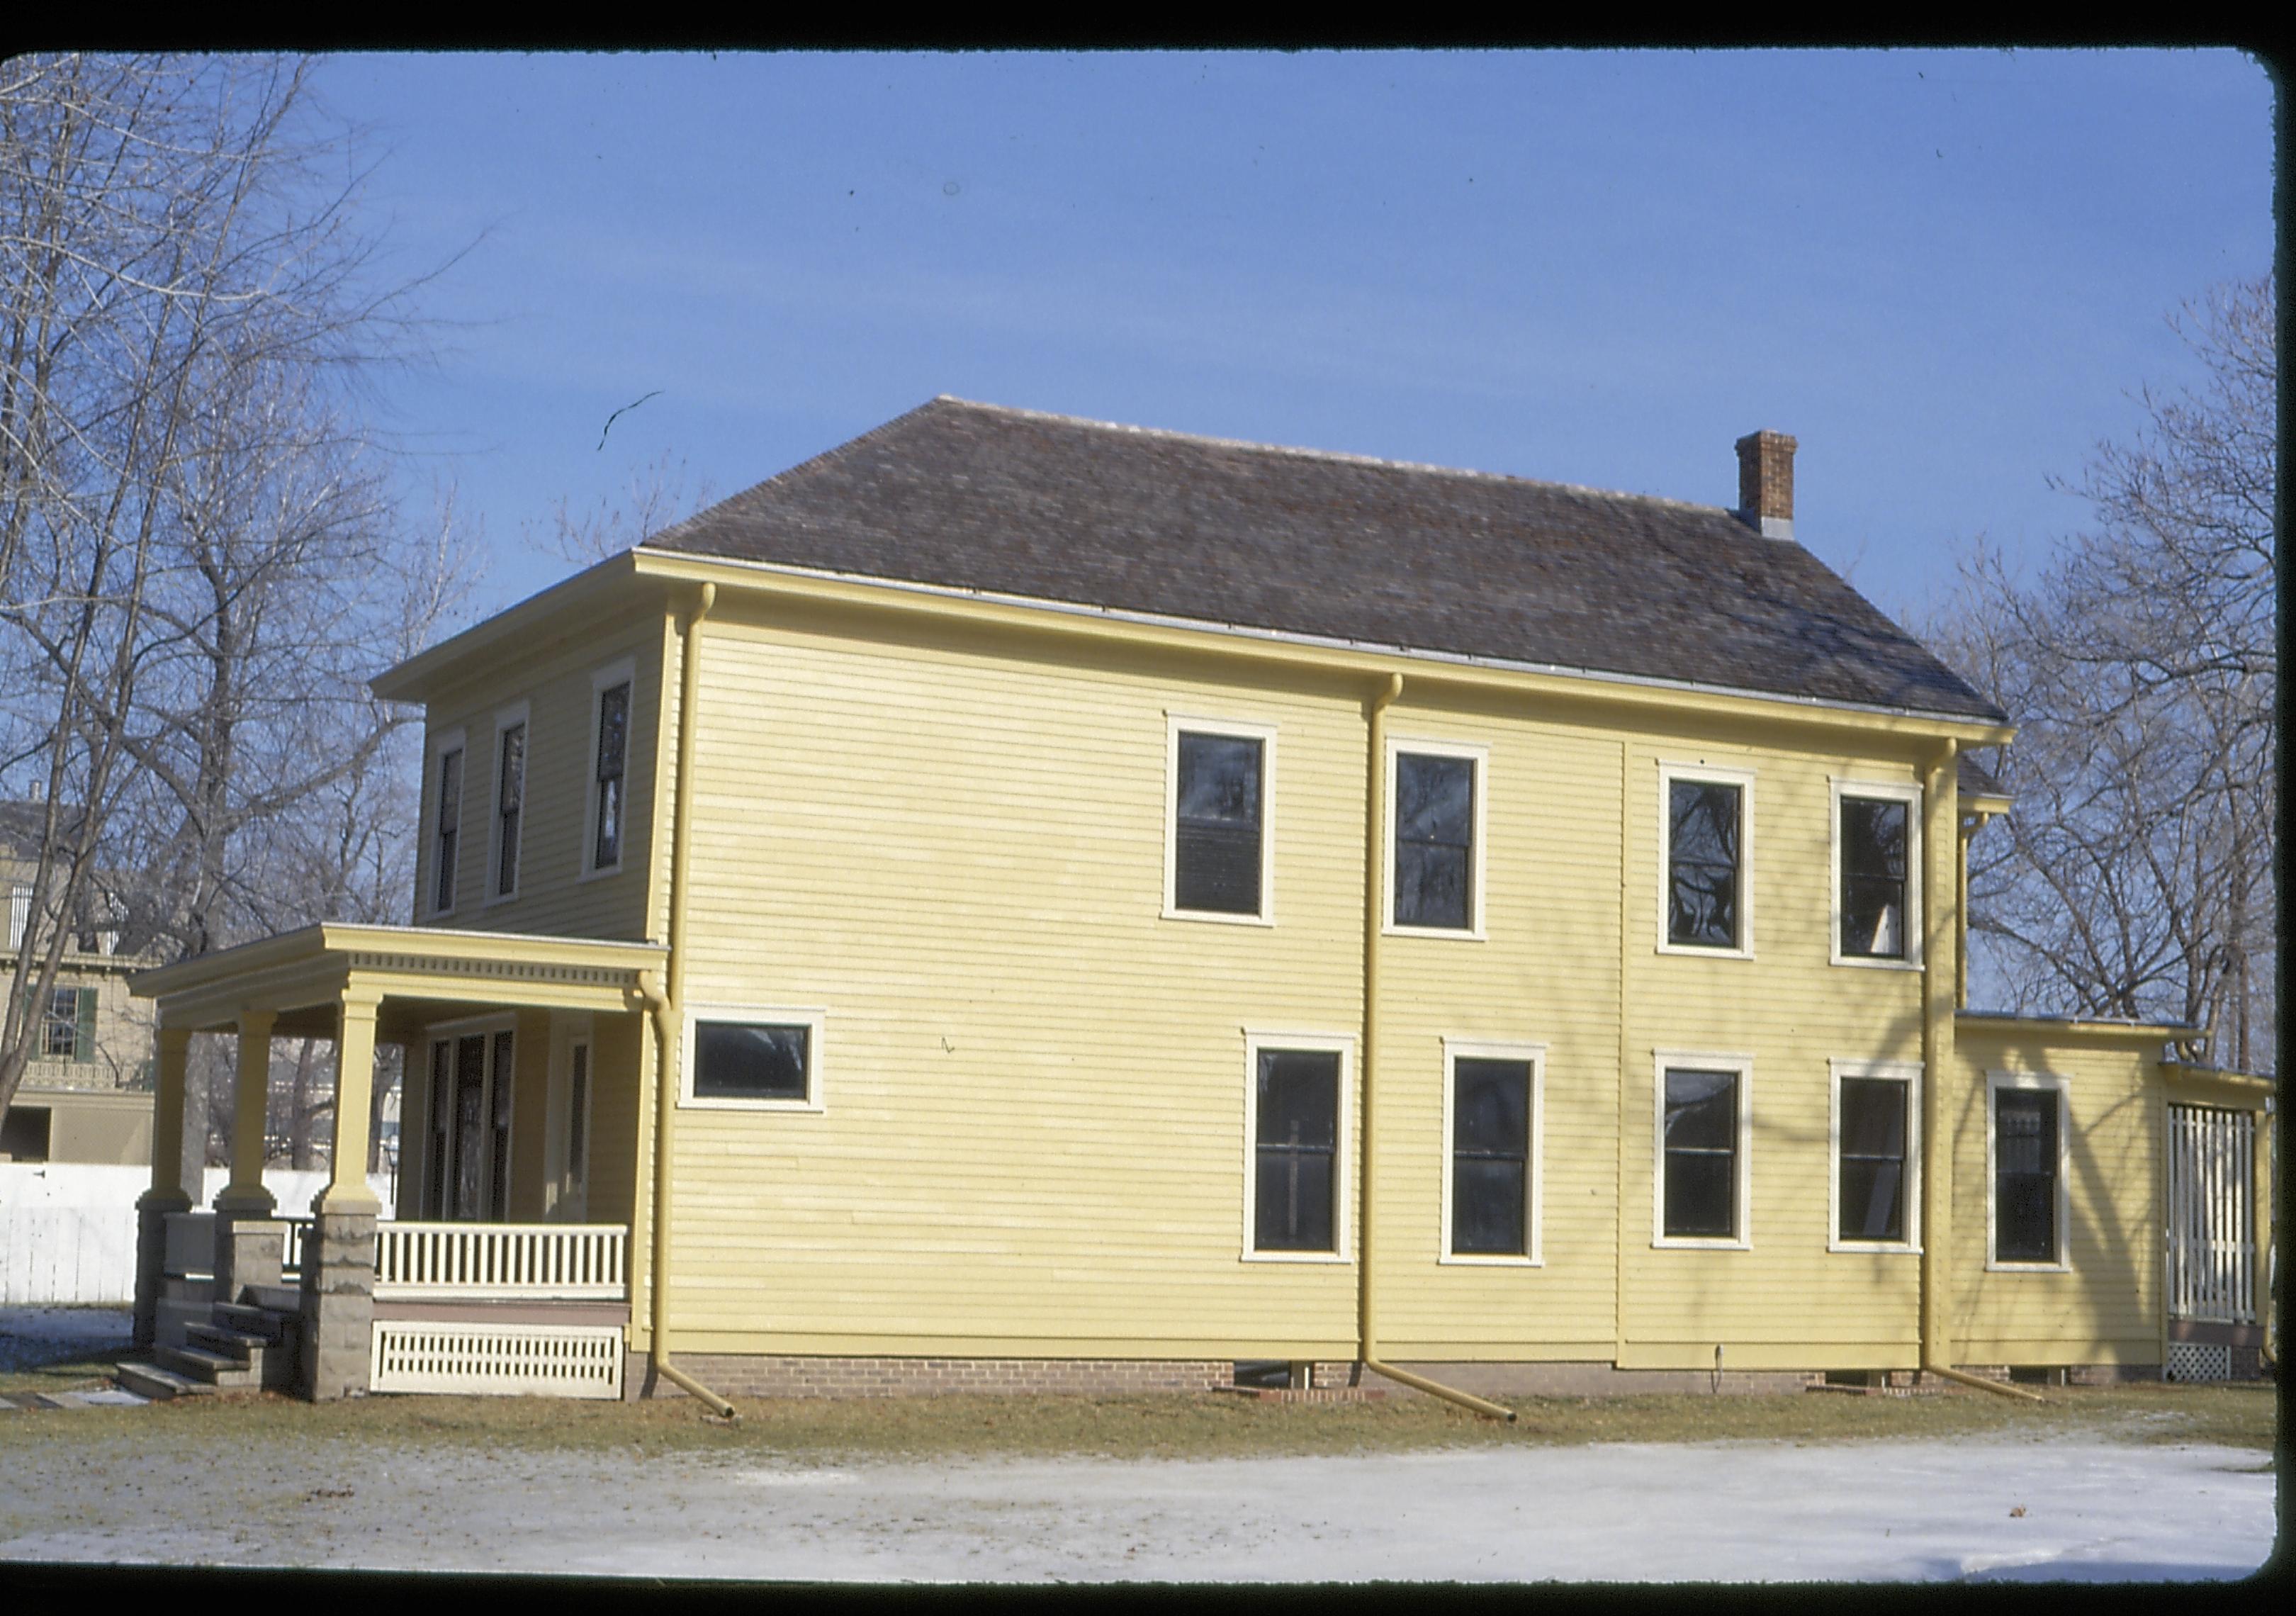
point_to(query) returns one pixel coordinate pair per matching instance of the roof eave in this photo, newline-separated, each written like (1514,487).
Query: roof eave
(415,678)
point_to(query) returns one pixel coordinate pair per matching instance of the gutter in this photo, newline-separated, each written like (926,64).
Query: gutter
(1367,1343)
(665,1007)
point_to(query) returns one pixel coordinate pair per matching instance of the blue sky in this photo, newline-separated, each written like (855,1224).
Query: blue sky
(1944,273)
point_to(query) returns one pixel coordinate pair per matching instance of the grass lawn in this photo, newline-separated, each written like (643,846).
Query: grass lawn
(1208,1425)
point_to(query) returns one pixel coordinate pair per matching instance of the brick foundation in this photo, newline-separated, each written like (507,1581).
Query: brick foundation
(789,1376)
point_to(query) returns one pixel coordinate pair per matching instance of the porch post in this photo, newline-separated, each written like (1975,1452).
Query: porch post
(166,1194)
(245,1196)
(339,1268)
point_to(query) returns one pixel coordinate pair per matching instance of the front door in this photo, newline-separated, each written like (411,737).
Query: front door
(467,1177)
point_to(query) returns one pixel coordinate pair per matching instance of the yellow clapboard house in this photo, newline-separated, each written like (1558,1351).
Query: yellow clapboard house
(1022,902)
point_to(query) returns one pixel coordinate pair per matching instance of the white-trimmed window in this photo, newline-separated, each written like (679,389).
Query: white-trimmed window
(606,818)
(1219,854)
(1296,1125)
(1876,1138)
(1702,1173)
(466,1157)
(509,764)
(445,803)
(1706,881)
(2026,1119)
(742,1058)
(1493,1114)
(1434,854)
(569,1130)
(1877,874)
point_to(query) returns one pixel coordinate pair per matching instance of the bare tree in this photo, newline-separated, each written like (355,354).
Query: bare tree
(200,559)
(656,497)
(2136,876)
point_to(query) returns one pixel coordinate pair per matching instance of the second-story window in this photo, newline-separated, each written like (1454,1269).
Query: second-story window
(1876,838)
(1434,852)
(613,752)
(449,830)
(510,802)
(1706,863)
(1217,823)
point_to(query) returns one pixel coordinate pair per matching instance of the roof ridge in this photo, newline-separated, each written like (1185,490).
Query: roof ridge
(1339,456)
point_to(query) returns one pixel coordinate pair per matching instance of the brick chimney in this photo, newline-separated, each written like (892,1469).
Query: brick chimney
(1766,483)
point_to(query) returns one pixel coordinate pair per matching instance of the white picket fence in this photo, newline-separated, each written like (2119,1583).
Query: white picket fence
(68,1228)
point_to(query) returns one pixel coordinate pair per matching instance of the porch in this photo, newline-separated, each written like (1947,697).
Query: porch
(504,1265)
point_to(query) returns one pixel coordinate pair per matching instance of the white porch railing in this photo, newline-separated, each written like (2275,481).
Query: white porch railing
(2211,1220)
(501,1261)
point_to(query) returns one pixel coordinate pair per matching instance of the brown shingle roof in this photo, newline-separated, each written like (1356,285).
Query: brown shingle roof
(1010,502)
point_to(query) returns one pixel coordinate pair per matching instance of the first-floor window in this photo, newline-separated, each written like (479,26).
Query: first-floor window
(772,1060)
(1873,1117)
(1491,1102)
(1699,1189)
(1295,1150)
(2026,1124)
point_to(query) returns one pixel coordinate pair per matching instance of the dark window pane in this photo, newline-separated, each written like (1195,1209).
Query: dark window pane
(1701,1193)
(511,800)
(734,1060)
(1873,1117)
(1487,1207)
(1217,841)
(1434,840)
(1702,865)
(2025,1176)
(505,1069)
(1873,878)
(450,824)
(578,1113)
(1872,1200)
(1298,1108)
(1701,1152)
(1491,1110)
(1701,1110)
(470,1125)
(613,741)
(1491,1151)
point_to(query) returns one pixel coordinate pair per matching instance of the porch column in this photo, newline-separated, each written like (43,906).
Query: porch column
(339,1265)
(245,1197)
(167,1194)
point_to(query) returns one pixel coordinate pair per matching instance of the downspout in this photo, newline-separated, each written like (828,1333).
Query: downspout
(1941,840)
(1375,819)
(665,1008)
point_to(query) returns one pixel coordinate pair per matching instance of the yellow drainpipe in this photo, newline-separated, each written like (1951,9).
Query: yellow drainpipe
(1941,840)
(1376,850)
(665,1008)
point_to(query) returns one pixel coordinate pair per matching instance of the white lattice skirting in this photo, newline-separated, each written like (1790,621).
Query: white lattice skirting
(2199,1361)
(497,1360)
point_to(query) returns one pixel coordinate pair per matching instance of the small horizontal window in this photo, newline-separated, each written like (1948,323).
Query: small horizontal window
(752,1061)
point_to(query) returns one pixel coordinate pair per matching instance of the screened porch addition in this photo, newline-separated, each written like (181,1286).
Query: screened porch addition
(504,1265)
(2211,1234)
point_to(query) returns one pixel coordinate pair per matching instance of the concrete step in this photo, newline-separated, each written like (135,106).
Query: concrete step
(223,1374)
(258,1321)
(277,1299)
(152,1381)
(227,1343)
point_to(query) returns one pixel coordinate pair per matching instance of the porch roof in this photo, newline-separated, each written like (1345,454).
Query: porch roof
(301,976)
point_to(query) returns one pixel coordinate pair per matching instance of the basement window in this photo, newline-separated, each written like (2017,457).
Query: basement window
(765,1060)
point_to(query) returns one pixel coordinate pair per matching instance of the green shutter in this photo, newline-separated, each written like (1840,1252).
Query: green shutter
(84,1036)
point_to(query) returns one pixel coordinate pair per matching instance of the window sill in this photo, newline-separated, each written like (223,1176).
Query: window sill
(1992,1267)
(1699,951)
(1862,962)
(1467,935)
(1690,1242)
(1329,1260)
(689,1103)
(1878,1247)
(1455,1260)
(600,874)
(1217,918)
(497,899)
